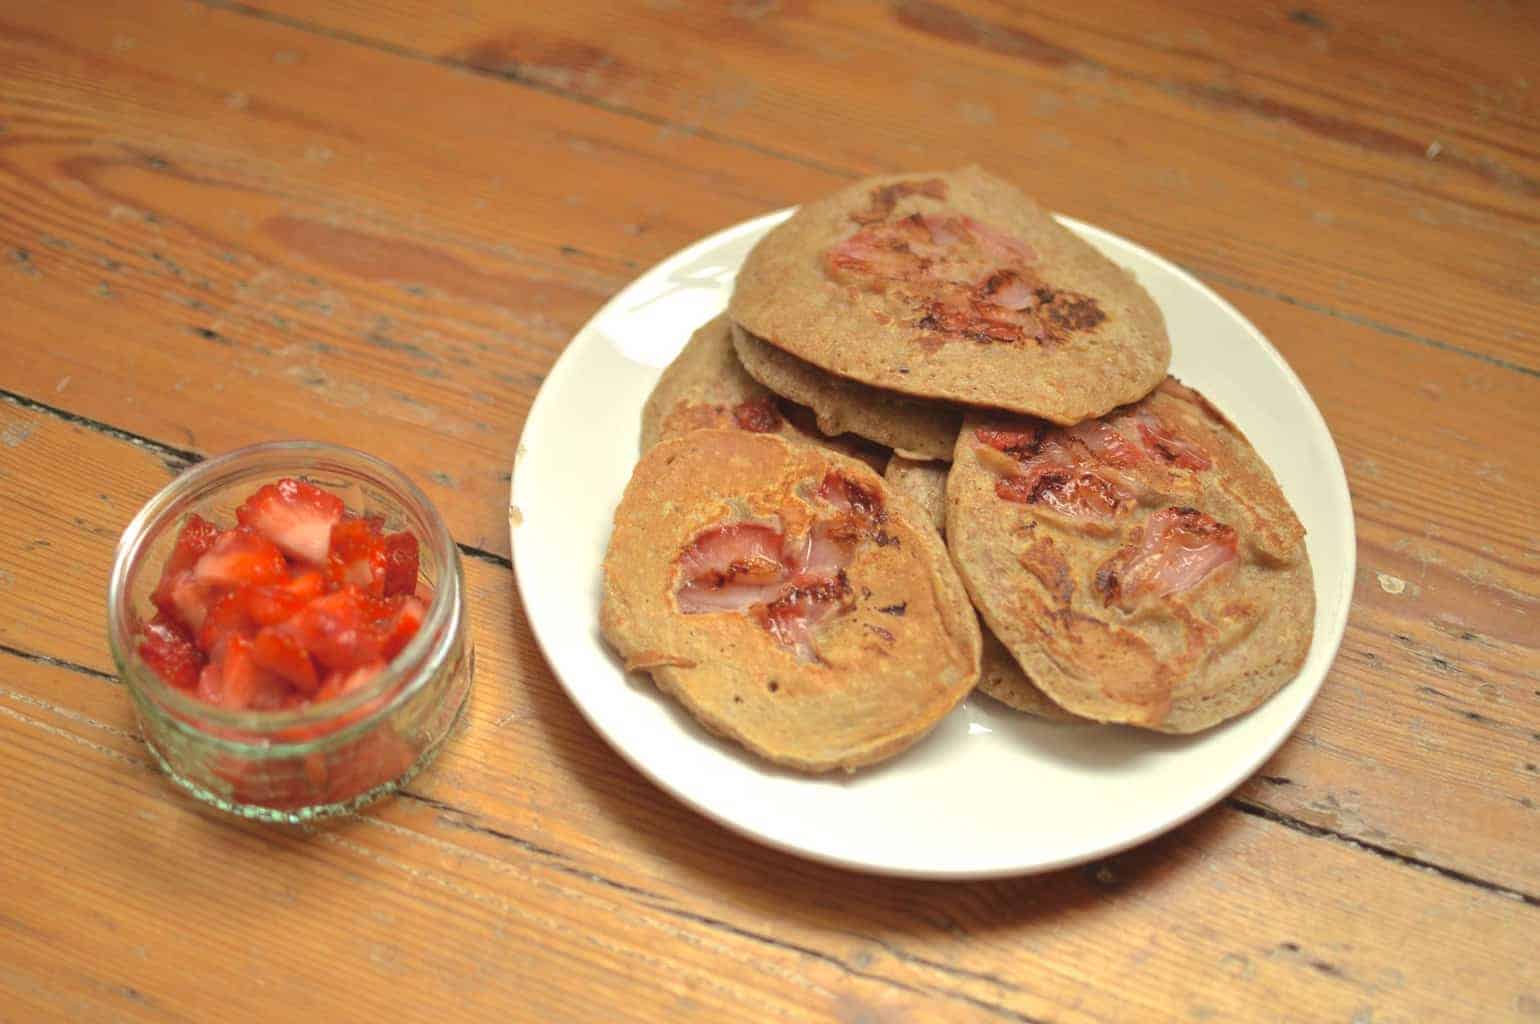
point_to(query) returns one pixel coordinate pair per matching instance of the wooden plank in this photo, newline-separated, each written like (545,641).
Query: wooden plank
(626,906)
(1292,154)
(268,258)
(1424,741)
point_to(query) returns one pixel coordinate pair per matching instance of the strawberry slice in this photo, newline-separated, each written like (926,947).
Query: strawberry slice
(279,652)
(172,594)
(295,516)
(228,616)
(275,603)
(338,630)
(358,556)
(197,536)
(183,600)
(170,653)
(246,684)
(402,625)
(241,556)
(400,563)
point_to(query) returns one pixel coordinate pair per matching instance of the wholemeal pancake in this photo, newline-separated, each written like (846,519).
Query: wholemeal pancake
(914,427)
(999,675)
(1142,568)
(788,598)
(956,287)
(706,387)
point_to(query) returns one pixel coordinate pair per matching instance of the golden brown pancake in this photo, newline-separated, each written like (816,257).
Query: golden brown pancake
(786,597)
(955,287)
(913,427)
(705,387)
(1142,568)
(999,675)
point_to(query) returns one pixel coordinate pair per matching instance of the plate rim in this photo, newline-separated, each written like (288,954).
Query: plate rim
(1337,481)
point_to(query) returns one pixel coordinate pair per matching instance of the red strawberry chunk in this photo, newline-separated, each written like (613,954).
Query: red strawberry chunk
(183,600)
(170,654)
(400,563)
(295,516)
(246,684)
(241,556)
(279,651)
(403,625)
(197,536)
(228,616)
(275,603)
(338,631)
(358,556)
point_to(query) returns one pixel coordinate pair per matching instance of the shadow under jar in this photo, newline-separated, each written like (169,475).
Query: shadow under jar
(326,758)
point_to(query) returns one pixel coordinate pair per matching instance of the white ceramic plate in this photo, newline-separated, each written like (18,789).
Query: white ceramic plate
(989,792)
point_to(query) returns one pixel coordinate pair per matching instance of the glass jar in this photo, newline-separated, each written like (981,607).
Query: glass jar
(331,757)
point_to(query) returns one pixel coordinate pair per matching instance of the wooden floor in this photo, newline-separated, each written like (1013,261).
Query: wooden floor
(222,222)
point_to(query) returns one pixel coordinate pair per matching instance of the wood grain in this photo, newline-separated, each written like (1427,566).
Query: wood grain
(210,209)
(1227,141)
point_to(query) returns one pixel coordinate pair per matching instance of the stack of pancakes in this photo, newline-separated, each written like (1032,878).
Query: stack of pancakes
(1130,557)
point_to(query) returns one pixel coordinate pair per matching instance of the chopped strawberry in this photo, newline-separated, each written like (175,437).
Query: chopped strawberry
(263,616)
(170,653)
(246,684)
(403,625)
(211,685)
(197,536)
(182,599)
(228,616)
(295,516)
(338,630)
(173,595)
(400,563)
(277,602)
(278,651)
(338,683)
(358,556)
(241,556)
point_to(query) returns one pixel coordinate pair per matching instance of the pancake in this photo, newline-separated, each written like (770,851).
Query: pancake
(955,287)
(1141,568)
(999,675)
(788,598)
(913,427)
(705,387)
(924,482)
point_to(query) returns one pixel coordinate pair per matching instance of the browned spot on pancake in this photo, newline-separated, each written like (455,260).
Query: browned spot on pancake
(885,197)
(1043,560)
(1067,312)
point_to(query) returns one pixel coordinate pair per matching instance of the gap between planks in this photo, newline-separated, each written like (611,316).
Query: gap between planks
(514,77)
(178,458)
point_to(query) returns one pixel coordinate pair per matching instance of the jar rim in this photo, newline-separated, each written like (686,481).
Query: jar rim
(417,659)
